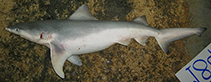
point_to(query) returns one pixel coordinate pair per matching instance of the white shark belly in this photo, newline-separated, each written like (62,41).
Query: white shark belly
(97,41)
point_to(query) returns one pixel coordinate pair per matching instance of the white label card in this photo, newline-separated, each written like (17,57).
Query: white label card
(198,69)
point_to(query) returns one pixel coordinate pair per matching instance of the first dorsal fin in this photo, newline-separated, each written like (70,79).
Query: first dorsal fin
(141,19)
(82,13)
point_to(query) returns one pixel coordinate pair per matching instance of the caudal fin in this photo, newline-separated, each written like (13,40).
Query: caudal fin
(172,34)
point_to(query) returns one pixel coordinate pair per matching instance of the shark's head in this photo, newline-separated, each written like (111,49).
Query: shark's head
(26,31)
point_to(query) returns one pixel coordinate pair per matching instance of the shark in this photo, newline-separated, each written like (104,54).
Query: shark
(83,33)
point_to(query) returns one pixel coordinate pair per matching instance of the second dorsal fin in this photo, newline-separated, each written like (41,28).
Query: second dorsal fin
(141,19)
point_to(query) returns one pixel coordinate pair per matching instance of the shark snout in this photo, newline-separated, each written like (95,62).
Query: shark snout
(7,29)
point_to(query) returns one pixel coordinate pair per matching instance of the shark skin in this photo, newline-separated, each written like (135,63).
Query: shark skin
(82,33)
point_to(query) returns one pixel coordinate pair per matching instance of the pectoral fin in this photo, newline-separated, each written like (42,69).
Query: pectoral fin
(58,57)
(75,60)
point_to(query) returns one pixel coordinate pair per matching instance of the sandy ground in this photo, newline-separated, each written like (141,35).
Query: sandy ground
(22,60)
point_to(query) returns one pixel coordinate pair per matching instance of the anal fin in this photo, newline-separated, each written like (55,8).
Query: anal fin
(142,40)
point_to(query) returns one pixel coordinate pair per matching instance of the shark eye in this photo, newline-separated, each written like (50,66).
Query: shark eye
(16,29)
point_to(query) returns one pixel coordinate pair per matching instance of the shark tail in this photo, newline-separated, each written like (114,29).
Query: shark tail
(172,34)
